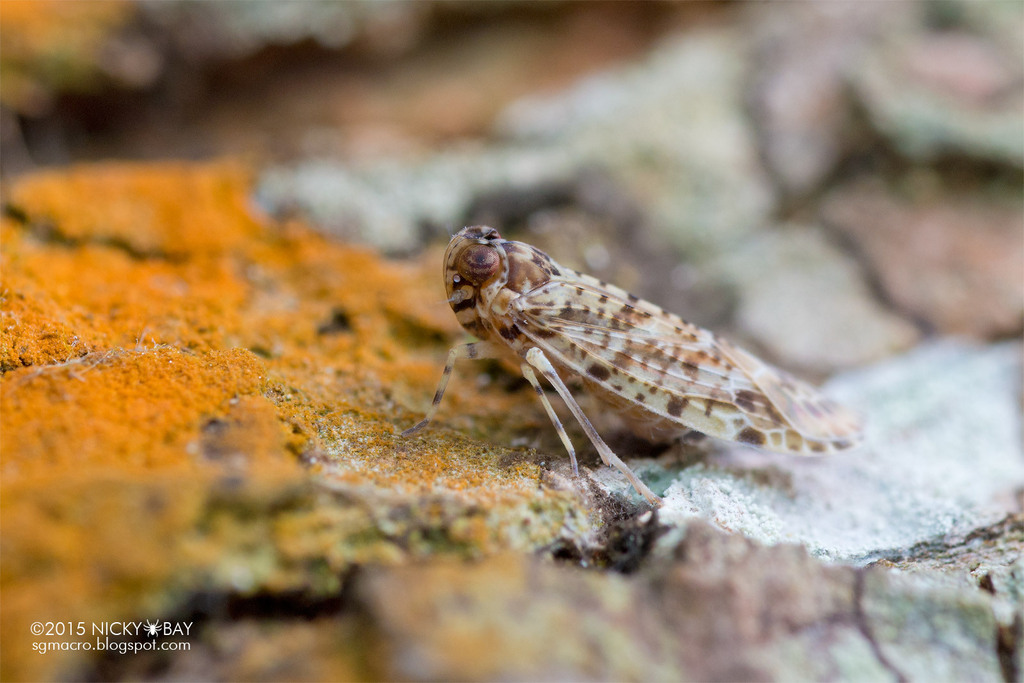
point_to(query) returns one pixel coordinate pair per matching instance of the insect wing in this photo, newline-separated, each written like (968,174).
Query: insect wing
(678,371)
(617,332)
(802,405)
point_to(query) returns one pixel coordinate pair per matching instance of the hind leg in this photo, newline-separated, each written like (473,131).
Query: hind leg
(537,359)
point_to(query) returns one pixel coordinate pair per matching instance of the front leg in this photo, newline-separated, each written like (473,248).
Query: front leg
(474,350)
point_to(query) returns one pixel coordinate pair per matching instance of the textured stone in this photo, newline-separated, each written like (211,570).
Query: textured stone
(387,203)
(670,129)
(803,300)
(800,99)
(667,131)
(234,30)
(936,94)
(201,403)
(714,606)
(512,618)
(928,633)
(951,260)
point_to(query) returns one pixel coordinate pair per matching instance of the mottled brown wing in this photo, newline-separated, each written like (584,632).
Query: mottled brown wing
(675,372)
(801,404)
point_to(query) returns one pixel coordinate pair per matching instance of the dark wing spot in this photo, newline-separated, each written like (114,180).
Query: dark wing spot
(510,333)
(597,371)
(640,398)
(748,400)
(751,436)
(676,406)
(691,370)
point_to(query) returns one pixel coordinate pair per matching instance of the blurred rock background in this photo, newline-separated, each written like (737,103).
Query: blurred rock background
(836,186)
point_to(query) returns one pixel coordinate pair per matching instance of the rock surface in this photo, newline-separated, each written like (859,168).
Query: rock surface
(204,375)
(668,131)
(952,261)
(807,304)
(202,490)
(949,93)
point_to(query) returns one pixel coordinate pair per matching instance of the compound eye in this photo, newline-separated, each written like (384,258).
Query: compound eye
(478,263)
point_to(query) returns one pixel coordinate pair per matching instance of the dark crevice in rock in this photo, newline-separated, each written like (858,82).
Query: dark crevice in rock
(1008,640)
(629,541)
(46,231)
(339,322)
(946,548)
(872,278)
(414,333)
(213,610)
(16,214)
(865,627)
(511,206)
(626,538)
(205,607)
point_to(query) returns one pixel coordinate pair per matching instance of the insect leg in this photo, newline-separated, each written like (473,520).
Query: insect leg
(537,359)
(531,377)
(473,350)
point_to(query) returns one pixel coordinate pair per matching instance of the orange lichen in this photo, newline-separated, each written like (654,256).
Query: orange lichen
(169,209)
(129,409)
(167,355)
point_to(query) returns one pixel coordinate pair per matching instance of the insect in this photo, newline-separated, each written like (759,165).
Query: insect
(664,375)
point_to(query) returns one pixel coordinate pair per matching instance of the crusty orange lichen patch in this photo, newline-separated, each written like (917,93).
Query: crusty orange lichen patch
(169,254)
(59,303)
(168,209)
(197,398)
(359,452)
(127,409)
